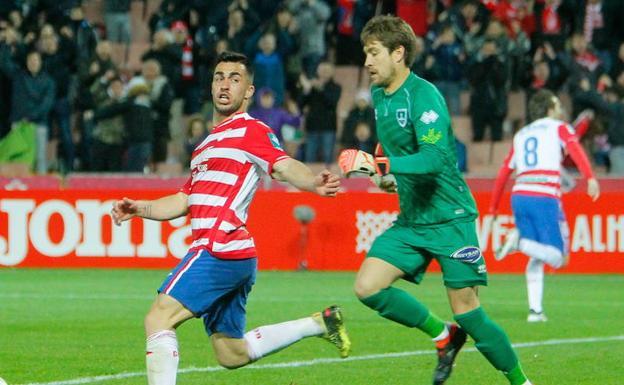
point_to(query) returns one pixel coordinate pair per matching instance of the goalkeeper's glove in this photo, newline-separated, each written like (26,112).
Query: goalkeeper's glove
(357,161)
(386,182)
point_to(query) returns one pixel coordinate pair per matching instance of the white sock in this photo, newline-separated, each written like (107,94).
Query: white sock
(445,333)
(535,284)
(162,358)
(271,338)
(545,253)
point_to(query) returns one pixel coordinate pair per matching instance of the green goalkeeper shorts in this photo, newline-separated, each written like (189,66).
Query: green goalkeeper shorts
(455,247)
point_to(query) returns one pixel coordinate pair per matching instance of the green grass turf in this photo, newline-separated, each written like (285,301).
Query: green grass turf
(60,325)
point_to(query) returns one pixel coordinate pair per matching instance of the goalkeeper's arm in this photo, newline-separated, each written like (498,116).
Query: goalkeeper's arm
(427,161)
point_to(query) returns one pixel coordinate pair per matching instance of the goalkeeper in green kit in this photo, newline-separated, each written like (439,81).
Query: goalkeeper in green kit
(437,211)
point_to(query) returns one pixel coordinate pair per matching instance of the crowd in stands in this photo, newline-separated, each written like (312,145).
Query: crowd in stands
(62,86)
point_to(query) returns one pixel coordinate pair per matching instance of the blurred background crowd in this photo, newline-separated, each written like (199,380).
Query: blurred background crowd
(124,85)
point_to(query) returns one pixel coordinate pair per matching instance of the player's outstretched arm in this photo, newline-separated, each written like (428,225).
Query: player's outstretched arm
(162,209)
(300,176)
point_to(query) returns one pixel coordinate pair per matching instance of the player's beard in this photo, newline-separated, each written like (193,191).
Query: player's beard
(227,111)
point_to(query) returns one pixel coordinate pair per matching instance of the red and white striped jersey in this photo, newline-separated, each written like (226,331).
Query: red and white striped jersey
(536,156)
(225,170)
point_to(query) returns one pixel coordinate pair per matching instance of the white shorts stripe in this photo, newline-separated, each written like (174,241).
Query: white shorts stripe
(206,200)
(181,272)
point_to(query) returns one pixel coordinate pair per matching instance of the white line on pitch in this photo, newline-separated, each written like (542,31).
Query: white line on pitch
(317,361)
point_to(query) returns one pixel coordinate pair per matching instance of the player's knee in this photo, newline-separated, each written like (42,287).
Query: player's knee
(232,360)
(363,288)
(156,320)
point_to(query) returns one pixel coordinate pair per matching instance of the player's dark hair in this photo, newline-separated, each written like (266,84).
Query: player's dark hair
(235,57)
(392,32)
(539,104)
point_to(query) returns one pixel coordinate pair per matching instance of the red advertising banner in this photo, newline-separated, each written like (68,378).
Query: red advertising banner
(73,228)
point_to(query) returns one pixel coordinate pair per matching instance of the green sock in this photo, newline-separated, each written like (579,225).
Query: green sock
(493,343)
(516,376)
(398,306)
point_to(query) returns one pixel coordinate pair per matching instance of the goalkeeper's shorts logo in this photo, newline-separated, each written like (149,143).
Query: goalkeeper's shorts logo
(468,254)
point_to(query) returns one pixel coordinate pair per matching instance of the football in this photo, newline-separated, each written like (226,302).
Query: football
(3,382)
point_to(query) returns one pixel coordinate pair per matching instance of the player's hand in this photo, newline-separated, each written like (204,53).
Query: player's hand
(327,184)
(386,183)
(123,210)
(357,161)
(593,188)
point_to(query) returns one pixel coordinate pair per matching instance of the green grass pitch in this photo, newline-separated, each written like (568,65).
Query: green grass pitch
(69,327)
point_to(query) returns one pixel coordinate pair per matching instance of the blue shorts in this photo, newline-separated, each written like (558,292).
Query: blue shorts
(214,289)
(539,219)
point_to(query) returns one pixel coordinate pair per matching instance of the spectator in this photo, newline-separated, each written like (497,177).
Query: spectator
(188,86)
(138,124)
(273,115)
(349,48)
(488,99)
(547,71)
(362,111)
(88,72)
(251,17)
(167,54)
(161,96)
(554,22)
(80,31)
(615,135)
(618,64)
(168,12)
(597,21)
(59,66)
(447,67)
(32,98)
(93,69)
(468,18)
(582,61)
(363,137)
(236,33)
(312,17)
(197,131)
(9,42)
(108,134)
(269,68)
(423,63)
(320,98)
(117,20)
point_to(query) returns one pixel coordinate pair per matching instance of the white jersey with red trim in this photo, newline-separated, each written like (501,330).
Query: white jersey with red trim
(225,170)
(536,157)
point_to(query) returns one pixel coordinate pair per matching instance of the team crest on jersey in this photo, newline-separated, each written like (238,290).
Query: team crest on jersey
(274,141)
(468,254)
(401,116)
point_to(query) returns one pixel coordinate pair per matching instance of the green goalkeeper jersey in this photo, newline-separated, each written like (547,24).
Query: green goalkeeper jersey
(414,129)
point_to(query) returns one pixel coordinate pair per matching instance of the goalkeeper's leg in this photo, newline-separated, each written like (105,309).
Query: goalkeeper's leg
(490,339)
(373,288)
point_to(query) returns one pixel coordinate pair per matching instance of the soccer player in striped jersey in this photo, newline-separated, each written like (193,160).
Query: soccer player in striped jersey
(437,211)
(213,280)
(541,228)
